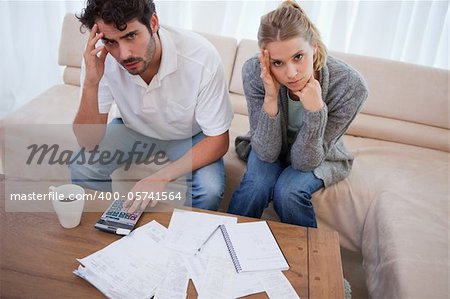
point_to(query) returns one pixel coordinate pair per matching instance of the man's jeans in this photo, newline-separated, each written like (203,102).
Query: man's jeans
(290,190)
(205,187)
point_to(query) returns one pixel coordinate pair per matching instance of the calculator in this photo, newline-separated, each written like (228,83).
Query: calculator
(117,220)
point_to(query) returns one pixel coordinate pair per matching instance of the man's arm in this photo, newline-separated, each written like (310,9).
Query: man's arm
(207,151)
(89,124)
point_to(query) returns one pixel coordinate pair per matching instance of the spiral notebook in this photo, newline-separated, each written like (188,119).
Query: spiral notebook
(253,247)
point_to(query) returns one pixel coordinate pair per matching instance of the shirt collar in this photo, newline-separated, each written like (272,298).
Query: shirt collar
(168,54)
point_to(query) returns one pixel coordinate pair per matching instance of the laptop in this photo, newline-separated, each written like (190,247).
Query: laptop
(117,220)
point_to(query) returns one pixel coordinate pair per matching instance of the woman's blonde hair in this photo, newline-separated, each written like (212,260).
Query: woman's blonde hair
(289,21)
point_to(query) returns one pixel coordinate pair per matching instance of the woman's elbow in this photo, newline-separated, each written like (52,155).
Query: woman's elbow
(266,156)
(306,165)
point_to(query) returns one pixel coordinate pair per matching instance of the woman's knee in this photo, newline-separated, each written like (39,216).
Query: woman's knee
(295,188)
(260,175)
(288,197)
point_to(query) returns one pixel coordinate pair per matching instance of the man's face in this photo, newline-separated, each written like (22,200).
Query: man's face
(133,48)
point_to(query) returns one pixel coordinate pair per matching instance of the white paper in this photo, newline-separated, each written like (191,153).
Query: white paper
(141,266)
(244,284)
(196,265)
(175,283)
(101,285)
(166,294)
(218,279)
(131,267)
(255,247)
(152,230)
(136,272)
(188,230)
(247,283)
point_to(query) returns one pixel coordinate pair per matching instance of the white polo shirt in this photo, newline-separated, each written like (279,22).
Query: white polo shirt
(188,95)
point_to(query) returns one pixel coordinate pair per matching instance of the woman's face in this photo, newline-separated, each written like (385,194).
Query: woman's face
(291,62)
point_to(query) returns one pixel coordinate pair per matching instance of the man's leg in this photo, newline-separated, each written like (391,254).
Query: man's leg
(292,196)
(120,146)
(208,182)
(256,189)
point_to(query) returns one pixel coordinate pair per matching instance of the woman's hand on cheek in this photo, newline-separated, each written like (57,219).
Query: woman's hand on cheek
(271,85)
(311,95)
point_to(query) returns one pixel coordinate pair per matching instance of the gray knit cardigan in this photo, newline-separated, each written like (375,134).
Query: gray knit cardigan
(318,145)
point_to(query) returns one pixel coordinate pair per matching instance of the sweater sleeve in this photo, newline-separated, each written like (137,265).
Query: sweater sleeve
(322,129)
(265,131)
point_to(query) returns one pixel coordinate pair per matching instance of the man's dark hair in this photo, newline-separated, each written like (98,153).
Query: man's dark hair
(117,12)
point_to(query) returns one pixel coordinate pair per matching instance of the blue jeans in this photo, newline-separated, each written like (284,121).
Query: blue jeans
(206,185)
(290,190)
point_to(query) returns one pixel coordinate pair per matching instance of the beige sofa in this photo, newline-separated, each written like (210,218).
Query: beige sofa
(394,206)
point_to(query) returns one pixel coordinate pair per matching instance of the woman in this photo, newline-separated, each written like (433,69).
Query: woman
(300,103)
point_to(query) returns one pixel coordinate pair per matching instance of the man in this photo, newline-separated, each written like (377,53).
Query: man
(169,87)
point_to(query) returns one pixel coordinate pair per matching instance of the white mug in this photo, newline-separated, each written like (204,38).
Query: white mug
(68,202)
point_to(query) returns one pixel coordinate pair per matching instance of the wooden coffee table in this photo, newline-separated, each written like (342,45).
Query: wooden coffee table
(38,256)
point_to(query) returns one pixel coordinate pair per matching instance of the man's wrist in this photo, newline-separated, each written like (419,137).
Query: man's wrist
(90,85)
(163,176)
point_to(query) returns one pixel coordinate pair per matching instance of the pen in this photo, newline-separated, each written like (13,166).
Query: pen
(207,239)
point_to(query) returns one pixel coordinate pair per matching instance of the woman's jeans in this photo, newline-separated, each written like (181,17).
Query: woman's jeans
(290,190)
(205,187)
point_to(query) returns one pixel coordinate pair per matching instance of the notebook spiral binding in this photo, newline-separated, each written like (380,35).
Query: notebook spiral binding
(230,248)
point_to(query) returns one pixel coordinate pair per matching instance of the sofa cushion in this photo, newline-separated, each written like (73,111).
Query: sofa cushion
(403,91)
(407,103)
(406,235)
(379,167)
(72,75)
(239,104)
(344,206)
(234,167)
(72,43)
(46,119)
(57,105)
(246,49)
(227,51)
(376,127)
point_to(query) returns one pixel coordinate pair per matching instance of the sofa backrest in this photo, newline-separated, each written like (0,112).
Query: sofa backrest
(407,103)
(71,48)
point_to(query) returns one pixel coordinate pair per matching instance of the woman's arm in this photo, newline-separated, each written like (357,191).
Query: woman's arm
(265,130)
(322,129)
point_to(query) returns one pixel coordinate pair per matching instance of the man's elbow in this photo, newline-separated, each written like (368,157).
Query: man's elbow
(88,136)
(224,143)
(87,142)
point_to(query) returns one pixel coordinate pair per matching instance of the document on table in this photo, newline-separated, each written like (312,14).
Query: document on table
(155,261)
(132,267)
(188,230)
(253,247)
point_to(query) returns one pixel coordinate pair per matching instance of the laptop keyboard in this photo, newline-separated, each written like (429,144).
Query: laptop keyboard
(118,211)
